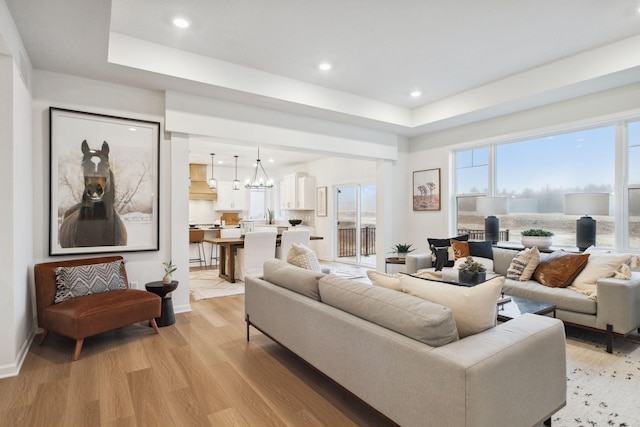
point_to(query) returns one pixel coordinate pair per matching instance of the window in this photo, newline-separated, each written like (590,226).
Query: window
(536,173)
(472,168)
(257,205)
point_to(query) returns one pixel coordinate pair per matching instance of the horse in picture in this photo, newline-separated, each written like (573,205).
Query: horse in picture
(94,221)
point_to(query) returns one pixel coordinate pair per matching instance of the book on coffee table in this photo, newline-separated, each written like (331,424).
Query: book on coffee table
(504,299)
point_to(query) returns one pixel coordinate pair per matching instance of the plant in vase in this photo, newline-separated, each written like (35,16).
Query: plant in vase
(471,272)
(168,269)
(402,249)
(536,237)
(269,216)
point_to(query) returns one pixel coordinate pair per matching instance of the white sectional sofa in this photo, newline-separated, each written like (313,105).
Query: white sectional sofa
(373,342)
(616,311)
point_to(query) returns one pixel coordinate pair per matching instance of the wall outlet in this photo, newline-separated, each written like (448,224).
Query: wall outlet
(133,285)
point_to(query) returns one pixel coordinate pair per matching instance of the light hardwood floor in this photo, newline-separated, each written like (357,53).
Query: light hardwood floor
(199,372)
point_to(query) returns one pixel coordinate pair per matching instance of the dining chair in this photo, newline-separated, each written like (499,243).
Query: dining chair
(259,246)
(288,238)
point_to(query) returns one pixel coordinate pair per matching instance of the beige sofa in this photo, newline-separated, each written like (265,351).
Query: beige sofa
(511,375)
(615,312)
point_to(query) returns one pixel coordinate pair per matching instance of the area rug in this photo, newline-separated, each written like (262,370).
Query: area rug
(602,389)
(206,284)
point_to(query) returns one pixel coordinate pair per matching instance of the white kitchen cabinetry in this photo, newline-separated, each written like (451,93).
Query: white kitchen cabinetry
(229,199)
(297,192)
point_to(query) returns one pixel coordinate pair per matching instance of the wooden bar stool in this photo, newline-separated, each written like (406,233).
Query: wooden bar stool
(196,237)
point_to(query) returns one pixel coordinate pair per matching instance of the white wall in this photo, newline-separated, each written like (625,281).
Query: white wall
(63,91)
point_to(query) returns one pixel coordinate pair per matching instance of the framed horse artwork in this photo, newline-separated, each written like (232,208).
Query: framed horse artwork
(104,183)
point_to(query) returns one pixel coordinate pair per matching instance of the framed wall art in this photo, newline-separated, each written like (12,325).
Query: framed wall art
(321,202)
(104,183)
(426,190)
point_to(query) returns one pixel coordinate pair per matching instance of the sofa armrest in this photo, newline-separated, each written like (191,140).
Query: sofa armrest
(415,262)
(619,304)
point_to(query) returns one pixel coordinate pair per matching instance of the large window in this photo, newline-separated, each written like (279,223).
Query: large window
(535,174)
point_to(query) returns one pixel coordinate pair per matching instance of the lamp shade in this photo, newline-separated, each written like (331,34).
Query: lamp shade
(491,205)
(586,204)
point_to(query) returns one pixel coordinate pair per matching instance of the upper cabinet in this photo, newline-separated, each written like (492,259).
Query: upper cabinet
(229,199)
(297,192)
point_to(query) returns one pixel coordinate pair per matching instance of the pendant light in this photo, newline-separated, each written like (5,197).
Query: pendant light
(258,182)
(236,183)
(213,183)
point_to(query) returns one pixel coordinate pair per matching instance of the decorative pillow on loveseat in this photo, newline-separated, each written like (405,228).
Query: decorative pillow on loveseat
(442,252)
(524,264)
(560,268)
(89,279)
(474,308)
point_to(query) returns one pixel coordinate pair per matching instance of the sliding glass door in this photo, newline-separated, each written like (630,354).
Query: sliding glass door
(356,224)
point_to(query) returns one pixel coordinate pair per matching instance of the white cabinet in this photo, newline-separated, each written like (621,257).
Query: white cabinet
(297,192)
(230,199)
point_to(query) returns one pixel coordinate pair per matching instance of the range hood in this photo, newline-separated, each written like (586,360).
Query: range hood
(199,189)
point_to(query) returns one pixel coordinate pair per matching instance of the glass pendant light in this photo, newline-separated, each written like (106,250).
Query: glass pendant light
(213,183)
(236,183)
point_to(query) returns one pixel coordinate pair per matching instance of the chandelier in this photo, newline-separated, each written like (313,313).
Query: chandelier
(259,181)
(213,183)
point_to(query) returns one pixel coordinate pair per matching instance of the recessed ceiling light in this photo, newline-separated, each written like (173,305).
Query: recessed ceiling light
(132,129)
(270,160)
(324,66)
(181,22)
(416,93)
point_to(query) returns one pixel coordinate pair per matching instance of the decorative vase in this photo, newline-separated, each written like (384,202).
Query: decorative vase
(471,277)
(542,242)
(402,255)
(166,279)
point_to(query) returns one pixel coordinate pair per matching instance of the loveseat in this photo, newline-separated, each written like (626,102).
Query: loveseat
(95,312)
(512,375)
(614,309)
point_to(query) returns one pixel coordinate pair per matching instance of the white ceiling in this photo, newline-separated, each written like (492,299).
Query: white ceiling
(470,58)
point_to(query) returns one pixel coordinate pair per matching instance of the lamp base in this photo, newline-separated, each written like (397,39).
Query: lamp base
(492,229)
(585,232)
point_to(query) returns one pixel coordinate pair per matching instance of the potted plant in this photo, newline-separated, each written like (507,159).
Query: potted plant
(269,216)
(537,237)
(402,249)
(168,269)
(471,272)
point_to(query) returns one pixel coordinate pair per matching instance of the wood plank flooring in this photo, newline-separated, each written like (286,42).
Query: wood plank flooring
(198,372)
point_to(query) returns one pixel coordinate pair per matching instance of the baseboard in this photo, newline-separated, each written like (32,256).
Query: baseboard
(13,369)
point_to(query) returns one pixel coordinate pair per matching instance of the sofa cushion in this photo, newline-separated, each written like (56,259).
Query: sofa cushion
(474,308)
(563,298)
(460,249)
(421,320)
(560,268)
(302,256)
(599,266)
(524,264)
(89,279)
(482,249)
(296,279)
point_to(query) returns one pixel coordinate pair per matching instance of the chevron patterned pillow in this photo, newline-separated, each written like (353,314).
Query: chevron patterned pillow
(88,279)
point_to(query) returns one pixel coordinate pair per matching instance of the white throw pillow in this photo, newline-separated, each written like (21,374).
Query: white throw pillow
(390,281)
(599,266)
(474,308)
(303,257)
(534,260)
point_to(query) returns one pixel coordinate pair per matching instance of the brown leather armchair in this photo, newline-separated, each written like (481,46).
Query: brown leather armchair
(89,315)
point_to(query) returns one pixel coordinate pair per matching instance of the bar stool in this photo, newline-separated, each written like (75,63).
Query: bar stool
(196,237)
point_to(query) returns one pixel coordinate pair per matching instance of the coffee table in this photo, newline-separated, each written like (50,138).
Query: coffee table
(519,306)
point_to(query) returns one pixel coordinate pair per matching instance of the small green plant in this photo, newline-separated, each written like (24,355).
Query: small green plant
(169,267)
(537,232)
(471,266)
(402,248)
(269,216)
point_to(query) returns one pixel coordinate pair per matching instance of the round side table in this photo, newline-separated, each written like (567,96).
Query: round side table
(164,291)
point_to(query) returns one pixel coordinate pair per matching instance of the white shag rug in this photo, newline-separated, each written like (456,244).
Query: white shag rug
(602,389)
(206,284)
